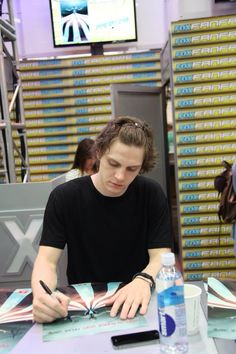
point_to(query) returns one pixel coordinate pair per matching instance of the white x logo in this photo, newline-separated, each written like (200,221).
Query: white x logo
(25,242)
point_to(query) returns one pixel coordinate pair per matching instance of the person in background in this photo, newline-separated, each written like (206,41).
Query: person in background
(115,224)
(234,187)
(84,161)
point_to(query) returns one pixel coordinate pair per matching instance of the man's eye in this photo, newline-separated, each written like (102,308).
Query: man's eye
(113,164)
(132,169)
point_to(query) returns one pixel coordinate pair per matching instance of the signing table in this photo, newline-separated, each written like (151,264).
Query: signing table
(101,343)
(223,346)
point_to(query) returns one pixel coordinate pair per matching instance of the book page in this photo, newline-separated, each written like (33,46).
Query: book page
(221,308)
(90,313)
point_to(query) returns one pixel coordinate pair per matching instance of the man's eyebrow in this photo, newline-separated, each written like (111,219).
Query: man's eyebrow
(111,159)
(133,166)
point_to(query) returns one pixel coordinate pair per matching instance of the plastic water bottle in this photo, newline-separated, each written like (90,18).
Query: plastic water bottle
(171,307)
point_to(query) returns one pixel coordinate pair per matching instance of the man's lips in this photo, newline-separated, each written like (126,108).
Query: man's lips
(117,185)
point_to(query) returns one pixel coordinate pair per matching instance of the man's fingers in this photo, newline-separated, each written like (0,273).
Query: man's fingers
(62,298)
(43,313)
(48,308)
(127,306)
(129,309)
(130,298)
(128,303)
(116,306)
(133,310)
(144,306)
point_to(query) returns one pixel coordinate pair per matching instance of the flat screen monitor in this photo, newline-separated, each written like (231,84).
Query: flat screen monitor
(92,22)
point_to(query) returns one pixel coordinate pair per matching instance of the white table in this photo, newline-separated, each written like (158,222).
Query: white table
(101,343)
(223,346)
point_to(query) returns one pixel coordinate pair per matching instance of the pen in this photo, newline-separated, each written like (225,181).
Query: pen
(49,292)
(45,287)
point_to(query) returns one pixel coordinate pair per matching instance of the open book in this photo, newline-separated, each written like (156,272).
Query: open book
(87,299)
(90,299)
(15,305)
(222,293)
(222,308)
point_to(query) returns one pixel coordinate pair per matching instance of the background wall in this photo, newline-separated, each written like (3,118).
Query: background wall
(33,25)
(34,31)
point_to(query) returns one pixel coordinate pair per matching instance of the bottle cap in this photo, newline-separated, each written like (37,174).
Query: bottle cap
(168,259)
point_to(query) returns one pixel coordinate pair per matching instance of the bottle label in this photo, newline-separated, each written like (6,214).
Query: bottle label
(166,324)
(173,295)
(171,312)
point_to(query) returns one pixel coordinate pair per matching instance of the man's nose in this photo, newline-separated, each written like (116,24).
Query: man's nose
(120,174)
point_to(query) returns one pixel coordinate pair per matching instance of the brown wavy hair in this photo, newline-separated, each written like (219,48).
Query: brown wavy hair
(130,131)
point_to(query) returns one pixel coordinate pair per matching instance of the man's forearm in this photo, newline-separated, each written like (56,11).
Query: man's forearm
(45,268)
(43,271)
(154,264)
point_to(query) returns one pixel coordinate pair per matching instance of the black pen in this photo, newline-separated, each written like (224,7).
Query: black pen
(49,292)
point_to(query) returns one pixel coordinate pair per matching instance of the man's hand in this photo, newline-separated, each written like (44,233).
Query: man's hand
(48,308)
(129,298)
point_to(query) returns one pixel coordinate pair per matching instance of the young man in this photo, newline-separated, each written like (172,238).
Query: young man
(115,224)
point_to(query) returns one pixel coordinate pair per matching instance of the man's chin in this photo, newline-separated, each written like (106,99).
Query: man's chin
(116,191)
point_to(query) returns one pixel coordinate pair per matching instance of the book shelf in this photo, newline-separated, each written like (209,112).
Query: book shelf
(204,104)
(68,99)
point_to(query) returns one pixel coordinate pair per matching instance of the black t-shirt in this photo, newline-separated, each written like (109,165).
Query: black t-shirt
(107,237)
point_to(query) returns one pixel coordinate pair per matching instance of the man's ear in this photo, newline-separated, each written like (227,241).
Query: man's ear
(98,155)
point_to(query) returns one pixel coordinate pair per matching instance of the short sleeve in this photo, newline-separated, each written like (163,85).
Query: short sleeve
(53,233)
